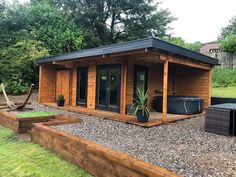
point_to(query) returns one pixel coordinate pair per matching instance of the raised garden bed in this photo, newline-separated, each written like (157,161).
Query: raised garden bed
(96,159)
(22,122)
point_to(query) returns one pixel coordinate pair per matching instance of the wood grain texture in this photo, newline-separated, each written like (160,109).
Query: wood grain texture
(91,97)
(20,125)
(47,83)
(96,159)
(165,92)
(185,77)
(193,82)
(63,84)
(123,88)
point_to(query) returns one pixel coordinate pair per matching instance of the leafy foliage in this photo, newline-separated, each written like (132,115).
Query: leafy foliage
(224,77)
(49,27)
(180,42)
(228,37)
(140,102)
(29,32)
(228,44)
(111,21)
(18,67)
(60,97)
(54,28)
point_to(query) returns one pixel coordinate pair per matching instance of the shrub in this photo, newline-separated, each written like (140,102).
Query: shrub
(60,97)
(18,68)
(16,88)
(224,77)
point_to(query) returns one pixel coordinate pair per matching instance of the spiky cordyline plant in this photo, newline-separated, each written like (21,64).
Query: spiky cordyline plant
(140,102)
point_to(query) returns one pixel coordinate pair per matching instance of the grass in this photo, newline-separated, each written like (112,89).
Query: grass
(26,159)
(229,92)
(36,114)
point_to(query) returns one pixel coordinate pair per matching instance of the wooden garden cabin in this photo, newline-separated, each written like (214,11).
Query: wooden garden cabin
(105,78)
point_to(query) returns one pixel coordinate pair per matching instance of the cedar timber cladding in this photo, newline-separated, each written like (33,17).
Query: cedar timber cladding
(63,84)
(47,83)
(91,86)
(193,82)
(182,80)
(189,73)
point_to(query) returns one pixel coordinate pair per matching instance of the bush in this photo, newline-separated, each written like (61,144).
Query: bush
(224,77)
(18,68)
(16,88)
(60,97)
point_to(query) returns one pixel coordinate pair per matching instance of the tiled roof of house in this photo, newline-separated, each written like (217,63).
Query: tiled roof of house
(207,47)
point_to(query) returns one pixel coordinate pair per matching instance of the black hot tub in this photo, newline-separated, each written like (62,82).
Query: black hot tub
(185,105)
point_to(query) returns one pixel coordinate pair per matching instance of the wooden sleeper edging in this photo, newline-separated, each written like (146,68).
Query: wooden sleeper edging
(96,159)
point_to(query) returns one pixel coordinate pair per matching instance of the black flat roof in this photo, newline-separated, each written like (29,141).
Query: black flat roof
(150,42)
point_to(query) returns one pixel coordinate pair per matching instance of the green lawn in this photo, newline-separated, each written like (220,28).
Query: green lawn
(25,159)
(36,114)
(229,92)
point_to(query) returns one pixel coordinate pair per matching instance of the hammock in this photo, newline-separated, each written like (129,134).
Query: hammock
(11,104)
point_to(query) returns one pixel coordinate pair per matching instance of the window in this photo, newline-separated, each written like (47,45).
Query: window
(140,78)
(82,82)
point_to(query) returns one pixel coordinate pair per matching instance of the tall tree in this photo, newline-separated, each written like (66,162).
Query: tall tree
(228,37)
(111,21)
(42,22)
(54,28)
(28,32)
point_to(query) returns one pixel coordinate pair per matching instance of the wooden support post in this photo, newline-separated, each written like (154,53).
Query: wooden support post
(165,87)
(209,87)
(40,85)
(123,89)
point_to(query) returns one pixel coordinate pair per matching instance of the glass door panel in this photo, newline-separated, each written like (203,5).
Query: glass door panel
(114,87)
(102,84)
(108,87)
(140,79)
(82,82)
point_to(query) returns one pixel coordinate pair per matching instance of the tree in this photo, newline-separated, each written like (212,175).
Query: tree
(54,28)
(180,42)
(228,43)
(111,21)
(18,67)
(42,22)
(29,32)
(227,38)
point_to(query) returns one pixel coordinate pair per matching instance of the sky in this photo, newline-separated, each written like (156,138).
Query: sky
(200,20)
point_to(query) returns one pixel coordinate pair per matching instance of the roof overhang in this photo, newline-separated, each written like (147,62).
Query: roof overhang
(123,48)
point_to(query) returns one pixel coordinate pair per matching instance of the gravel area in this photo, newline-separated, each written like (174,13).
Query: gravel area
(182,147)
(20,98)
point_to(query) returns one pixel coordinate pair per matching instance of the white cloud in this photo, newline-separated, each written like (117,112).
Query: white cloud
(200,20)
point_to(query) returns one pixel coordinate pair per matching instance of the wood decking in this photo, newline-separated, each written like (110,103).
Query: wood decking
(154,120)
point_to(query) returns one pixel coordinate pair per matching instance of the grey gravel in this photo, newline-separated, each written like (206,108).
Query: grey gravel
(182,147)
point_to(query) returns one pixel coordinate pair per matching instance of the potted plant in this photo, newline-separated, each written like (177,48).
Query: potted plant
(140,105)
(60,100)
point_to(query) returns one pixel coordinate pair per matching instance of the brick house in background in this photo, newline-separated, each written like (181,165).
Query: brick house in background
(210,48)
(226,60)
